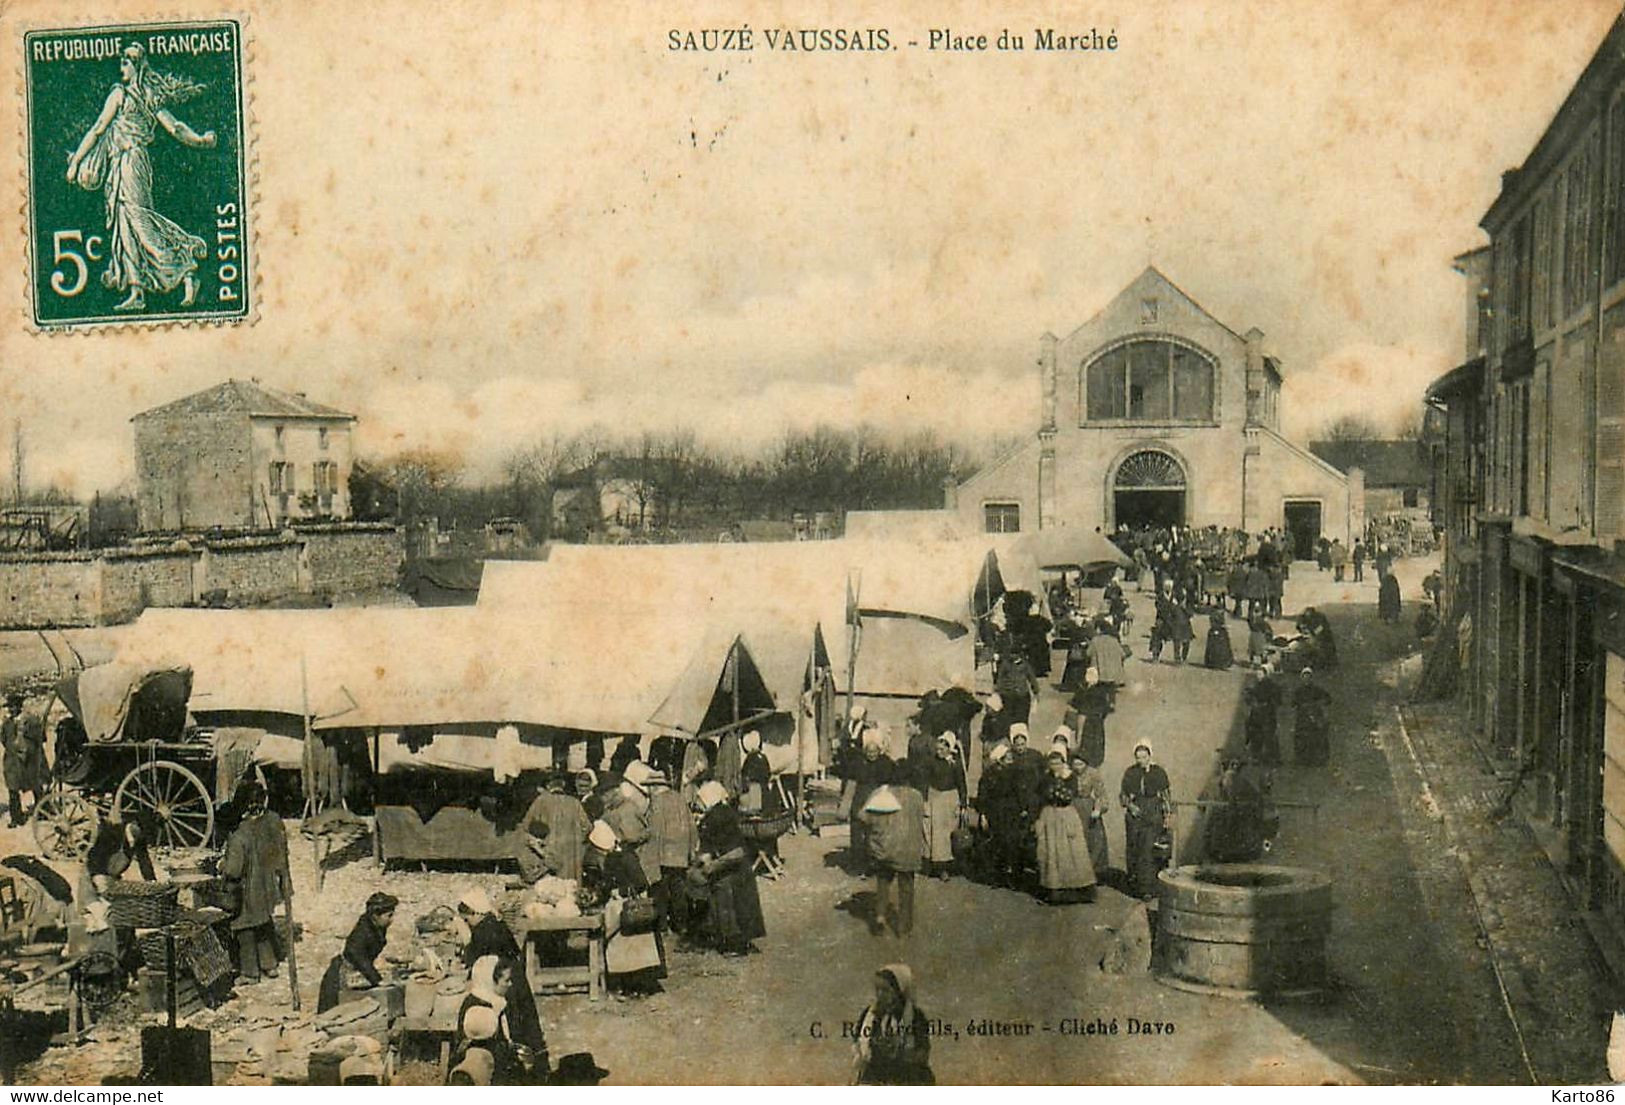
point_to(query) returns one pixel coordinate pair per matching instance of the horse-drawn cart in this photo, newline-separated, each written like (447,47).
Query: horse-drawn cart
(126,749)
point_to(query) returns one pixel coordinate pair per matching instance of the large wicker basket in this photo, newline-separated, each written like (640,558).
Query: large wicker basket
(142,905)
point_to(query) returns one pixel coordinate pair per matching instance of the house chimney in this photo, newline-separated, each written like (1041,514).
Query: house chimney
(950,494)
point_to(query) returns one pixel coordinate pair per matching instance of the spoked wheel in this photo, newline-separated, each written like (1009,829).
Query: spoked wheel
(173,798)
(63,824)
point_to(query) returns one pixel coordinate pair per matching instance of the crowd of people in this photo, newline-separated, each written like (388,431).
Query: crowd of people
(1037,820)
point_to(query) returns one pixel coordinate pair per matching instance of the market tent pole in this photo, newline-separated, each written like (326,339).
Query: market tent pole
(307,772)
(854,627)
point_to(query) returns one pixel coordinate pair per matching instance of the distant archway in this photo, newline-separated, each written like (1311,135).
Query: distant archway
(1148,489)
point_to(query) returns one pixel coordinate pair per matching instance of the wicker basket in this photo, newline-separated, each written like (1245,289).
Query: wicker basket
(142,905)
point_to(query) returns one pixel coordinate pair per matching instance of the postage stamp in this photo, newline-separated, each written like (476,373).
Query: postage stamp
(138,187)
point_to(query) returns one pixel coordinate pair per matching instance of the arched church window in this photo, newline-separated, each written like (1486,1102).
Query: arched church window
(1149,381)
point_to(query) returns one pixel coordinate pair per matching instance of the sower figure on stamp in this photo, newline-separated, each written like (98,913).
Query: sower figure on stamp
(146,251)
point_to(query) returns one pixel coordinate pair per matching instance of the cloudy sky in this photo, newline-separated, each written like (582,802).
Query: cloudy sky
(480,224)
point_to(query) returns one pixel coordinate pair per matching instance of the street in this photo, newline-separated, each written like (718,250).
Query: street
(1013,986)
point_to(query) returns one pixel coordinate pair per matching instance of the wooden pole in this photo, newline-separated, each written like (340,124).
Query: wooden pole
(306,763)
(293,958)
(854,628)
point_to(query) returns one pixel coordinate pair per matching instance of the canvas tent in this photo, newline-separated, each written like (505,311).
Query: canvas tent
(918,603)
(394,668)
(479,693)
(1062,548)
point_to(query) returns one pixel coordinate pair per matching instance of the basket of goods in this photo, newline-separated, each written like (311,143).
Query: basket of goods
(141,905)
(192,862)
(766,829)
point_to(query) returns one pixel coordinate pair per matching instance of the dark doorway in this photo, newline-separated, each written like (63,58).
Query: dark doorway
(1156,509)
(1303,524)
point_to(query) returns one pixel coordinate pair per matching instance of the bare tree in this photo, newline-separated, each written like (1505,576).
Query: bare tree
(1351,427)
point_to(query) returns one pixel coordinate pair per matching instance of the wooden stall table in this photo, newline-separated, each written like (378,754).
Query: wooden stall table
(438,1031)
(591,975)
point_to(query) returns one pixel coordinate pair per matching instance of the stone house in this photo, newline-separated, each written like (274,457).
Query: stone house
(241,456)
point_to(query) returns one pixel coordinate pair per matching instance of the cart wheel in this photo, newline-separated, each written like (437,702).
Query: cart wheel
(63,824)
(173,798)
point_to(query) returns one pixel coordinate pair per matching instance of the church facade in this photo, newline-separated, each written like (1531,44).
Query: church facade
(1156,413)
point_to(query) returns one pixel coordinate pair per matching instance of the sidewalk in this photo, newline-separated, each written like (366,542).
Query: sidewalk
(1552,984)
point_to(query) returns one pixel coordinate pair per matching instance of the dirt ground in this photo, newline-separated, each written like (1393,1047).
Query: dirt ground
(1014,985)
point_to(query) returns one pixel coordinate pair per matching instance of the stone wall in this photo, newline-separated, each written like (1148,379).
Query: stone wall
(112,585)
(134,579)
(250,569)
(50,589)
(352,558)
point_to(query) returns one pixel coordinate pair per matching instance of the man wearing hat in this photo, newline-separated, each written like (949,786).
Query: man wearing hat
(555,833)
(672,844)
(355,968)
(895,819)
(23,738)
(256,862)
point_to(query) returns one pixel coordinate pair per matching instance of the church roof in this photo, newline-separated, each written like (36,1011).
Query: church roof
(248,397)
(1150,277)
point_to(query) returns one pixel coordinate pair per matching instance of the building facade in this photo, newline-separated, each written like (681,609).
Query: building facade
(1535,466)
(1155,413)
(1398,474)
(241,456)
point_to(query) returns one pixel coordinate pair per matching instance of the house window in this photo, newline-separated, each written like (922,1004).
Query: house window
(321,438)
(279,438)
(1410,496)
(1002,517)
(1543,282)
(1152,381)
(1615,233)
(1577,266)
(275,478)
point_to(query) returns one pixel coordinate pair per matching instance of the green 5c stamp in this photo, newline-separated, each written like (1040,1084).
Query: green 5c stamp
(137,174)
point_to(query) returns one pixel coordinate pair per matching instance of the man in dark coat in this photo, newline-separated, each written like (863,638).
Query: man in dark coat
(23,738)
(1014,680)
(1179,629)
(256,864)
(1263,699)
(1028,630)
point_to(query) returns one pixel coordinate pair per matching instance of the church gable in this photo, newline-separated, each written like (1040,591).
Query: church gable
(1152,309)
(1151,304)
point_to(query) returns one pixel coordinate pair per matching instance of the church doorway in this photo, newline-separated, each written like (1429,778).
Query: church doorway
(1303,526)
(1148,490)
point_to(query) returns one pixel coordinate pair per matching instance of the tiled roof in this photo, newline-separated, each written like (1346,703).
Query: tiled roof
(1386,463)
(248,397)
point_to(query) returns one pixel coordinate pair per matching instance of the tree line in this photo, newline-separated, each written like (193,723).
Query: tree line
(676,485)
